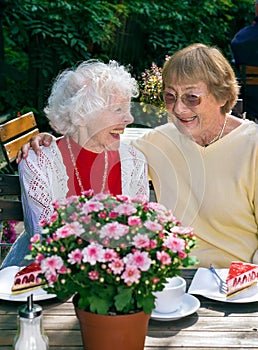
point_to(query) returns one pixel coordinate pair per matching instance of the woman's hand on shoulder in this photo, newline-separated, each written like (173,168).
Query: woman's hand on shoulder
(42,139)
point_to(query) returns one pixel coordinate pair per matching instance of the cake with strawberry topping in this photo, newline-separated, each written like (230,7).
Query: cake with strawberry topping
(241,276)
(27,279)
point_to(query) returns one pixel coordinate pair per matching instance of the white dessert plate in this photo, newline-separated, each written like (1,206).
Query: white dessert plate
(6,282)
(189,306)
(205,283)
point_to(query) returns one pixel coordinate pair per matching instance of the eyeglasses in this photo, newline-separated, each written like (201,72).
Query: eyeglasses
(190,100)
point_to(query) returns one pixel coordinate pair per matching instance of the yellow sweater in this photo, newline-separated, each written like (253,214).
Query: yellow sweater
(212,189)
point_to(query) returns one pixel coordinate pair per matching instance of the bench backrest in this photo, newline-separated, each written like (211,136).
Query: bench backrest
(248,75)
(15,133)
(10,198)
(10,203)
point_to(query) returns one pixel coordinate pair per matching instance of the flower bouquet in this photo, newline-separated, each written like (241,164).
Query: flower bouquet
(113,252)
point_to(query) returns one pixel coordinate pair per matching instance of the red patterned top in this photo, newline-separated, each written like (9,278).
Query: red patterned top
(90,166)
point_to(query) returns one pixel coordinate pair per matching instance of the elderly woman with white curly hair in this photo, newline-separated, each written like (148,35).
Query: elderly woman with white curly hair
(90,107)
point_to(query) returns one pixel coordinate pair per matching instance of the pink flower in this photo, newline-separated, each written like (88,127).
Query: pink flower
(93,275)
(51,264)
(39,258)
(63,270)
(182,255)
(153,243)
(85,219)
(43,222)
(69,200)
(51,277)
(182,230)
(164,258)
(92,206)
(139,259)
(174,243)
(165,218)
(141,241)
(75,257)
(131,275)
(100,196)
(56,204)
(113,215)
(155,280)
(88,193)
(102,215)
(93,253)
(109,254)
(117,266)
(53,217)
(157,206)
(73,228)
(74,216)
(153,226)
(125,209)
(139,199)
(106,242)
(123,198)
(134,221)
(35,238)
(113,230)
(112,243)
(161,235)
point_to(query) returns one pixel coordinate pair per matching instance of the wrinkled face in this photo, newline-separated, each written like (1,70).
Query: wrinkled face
(105,129)
(192,107)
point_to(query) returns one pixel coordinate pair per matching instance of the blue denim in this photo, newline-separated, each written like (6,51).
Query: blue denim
(18,251)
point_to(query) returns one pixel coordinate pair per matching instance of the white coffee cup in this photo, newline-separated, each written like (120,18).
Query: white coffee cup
(171,297)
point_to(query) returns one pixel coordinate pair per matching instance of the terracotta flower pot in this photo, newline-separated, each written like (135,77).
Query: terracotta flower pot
(123,332)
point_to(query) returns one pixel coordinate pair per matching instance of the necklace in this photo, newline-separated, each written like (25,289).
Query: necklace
(216,138)
(104,179)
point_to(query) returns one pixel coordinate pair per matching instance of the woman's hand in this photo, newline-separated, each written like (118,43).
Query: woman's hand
(42,139)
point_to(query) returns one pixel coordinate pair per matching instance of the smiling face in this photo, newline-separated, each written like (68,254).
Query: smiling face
(193,109)
(104,129)
(200,88)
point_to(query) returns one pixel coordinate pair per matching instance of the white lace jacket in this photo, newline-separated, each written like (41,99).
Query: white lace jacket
(44,179)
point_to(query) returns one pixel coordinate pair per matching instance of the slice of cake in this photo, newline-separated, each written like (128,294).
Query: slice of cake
(241,276)
(27,279)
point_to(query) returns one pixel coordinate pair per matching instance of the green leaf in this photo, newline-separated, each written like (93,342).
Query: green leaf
(147,303)
(99,305)
(123,298)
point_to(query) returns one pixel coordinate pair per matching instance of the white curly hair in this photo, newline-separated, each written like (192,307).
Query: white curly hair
(81,92)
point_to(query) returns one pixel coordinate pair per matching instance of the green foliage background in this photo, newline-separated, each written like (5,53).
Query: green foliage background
(42,37)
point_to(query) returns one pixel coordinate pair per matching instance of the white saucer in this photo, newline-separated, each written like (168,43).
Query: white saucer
(189,306)
(6,282)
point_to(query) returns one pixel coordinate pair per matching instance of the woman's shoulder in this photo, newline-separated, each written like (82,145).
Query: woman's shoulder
(244,126)
(47,152)
(43,159)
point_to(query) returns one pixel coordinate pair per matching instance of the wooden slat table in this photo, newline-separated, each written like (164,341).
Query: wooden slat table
(216,325)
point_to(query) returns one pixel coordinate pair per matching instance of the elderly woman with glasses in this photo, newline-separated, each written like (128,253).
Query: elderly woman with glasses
(203,162)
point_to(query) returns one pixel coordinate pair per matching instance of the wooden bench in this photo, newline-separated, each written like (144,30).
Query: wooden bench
(10,203)
(248,74)
(13,134)
(248,78)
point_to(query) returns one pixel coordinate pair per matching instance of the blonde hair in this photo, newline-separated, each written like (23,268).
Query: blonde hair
(199,62)
(78,94)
